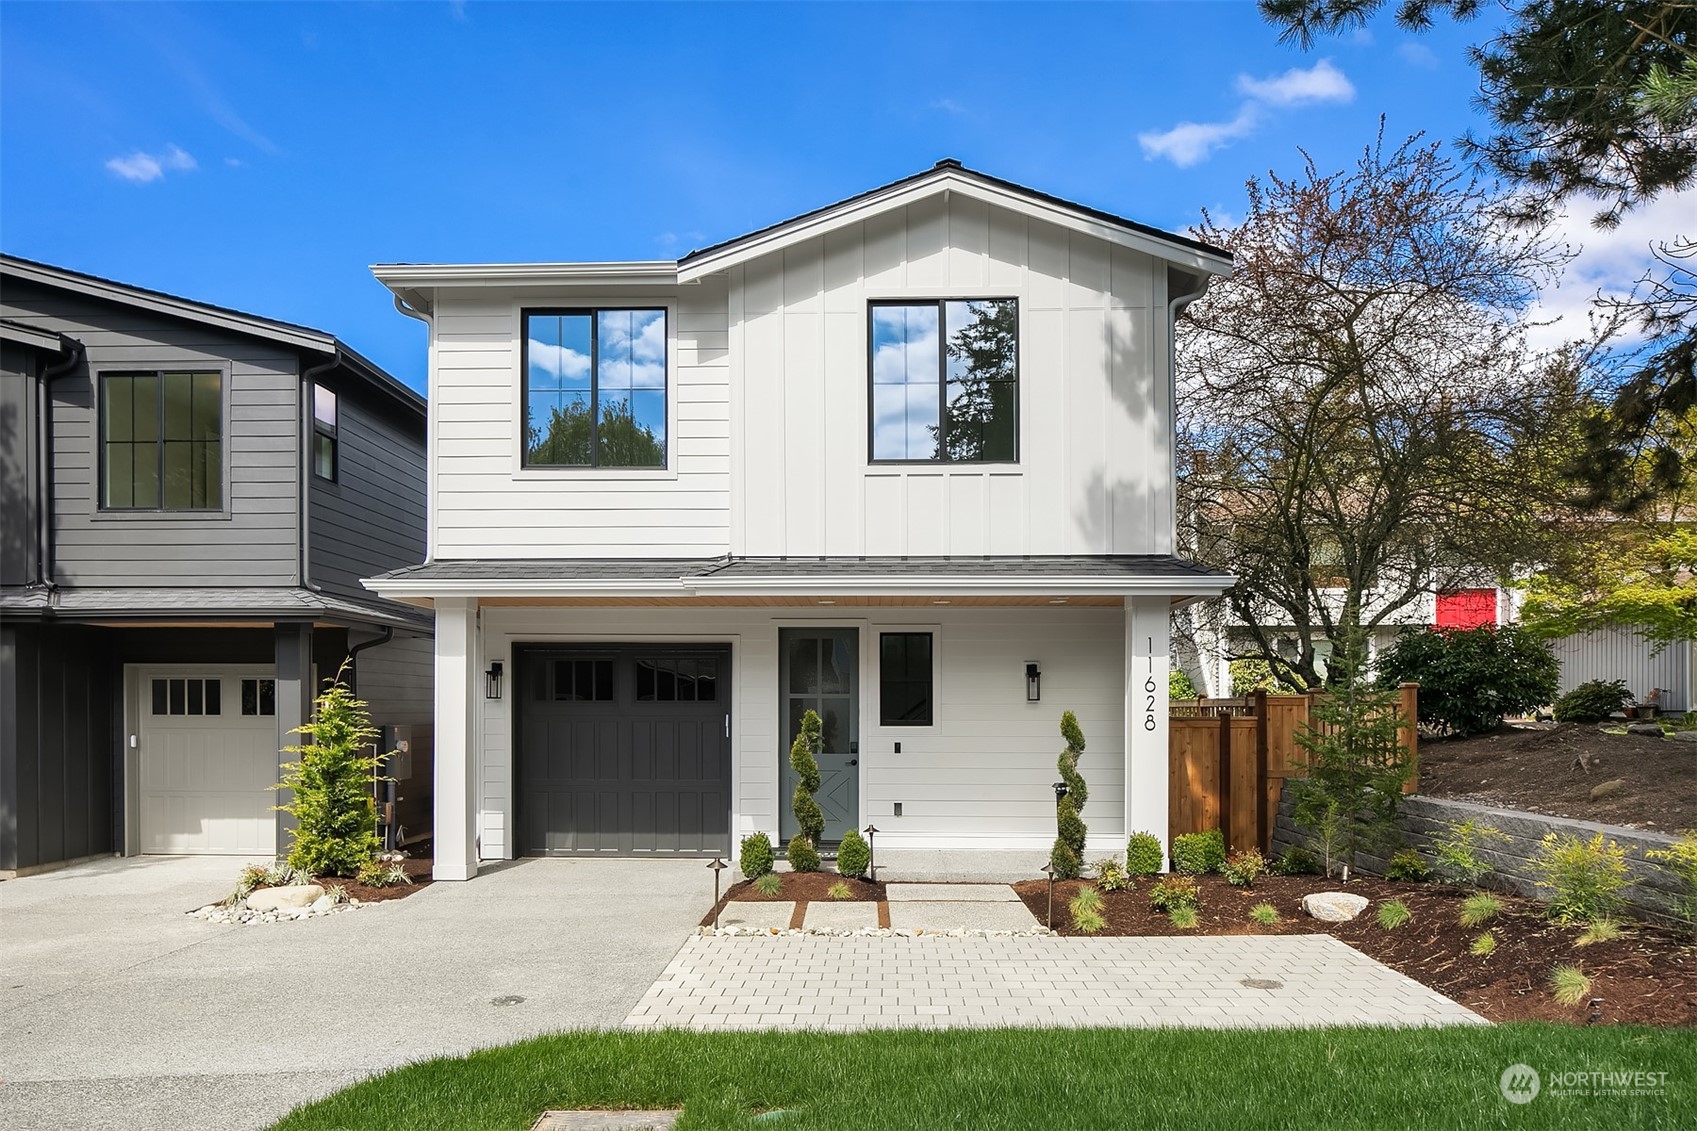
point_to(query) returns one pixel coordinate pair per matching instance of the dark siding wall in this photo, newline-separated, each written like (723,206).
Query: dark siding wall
(58,745)
(371,519)
(397,679)
(258,543)
(17,464)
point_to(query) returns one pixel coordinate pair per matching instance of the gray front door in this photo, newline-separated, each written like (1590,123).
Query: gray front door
(820,668)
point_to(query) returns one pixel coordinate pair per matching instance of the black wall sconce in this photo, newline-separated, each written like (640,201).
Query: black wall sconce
(1033,683)
(492,681)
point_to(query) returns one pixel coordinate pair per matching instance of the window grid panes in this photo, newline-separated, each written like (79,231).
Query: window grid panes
(676,681)
(188,696)
(583,680)
(945,381)
(904,679)
(324,433)
(595,388)
(162,441)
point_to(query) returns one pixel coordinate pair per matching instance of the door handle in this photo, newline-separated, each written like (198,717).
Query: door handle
(854,761)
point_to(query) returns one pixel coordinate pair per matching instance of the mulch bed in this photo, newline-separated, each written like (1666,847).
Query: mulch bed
(1552,770)
(418,870)
(1646,977)
(802,888)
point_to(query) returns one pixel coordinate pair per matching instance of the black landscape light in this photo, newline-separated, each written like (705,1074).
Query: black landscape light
(718,866)
(1049,870)
(871,853)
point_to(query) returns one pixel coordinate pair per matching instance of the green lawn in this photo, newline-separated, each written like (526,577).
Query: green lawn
(1039,1078)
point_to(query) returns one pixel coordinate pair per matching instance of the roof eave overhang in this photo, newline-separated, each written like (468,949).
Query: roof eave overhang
(696,267)
(838,586)
(414,277)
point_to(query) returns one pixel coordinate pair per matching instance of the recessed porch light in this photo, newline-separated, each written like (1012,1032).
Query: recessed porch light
(939,602)
(1057,600)
(827,602)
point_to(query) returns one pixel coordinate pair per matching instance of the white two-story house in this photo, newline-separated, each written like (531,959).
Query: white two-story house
(905,460)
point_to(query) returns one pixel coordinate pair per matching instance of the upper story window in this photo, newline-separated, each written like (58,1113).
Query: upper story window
(945,381)
(595,388)
(161,438)
(324,435)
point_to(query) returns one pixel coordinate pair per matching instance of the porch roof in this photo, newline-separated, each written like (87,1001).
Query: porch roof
(701,580)
(203,604)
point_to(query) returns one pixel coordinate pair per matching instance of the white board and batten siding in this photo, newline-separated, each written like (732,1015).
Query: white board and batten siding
(769,407)
(979,776)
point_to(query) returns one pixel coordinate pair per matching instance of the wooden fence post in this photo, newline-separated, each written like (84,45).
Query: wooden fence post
(1263,829)
(1408,706)
(1226,777)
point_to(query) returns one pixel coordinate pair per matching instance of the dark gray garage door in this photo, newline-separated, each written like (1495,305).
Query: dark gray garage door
(623,751)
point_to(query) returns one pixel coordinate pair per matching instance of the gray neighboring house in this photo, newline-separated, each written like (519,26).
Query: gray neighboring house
(189,496)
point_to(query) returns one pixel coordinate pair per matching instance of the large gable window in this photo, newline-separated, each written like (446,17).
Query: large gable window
(161,440)
(595,388)
(945,381)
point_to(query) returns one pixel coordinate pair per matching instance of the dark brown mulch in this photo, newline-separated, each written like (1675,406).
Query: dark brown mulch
(802,887)
(418,870)
(1539,770)
(1647,977)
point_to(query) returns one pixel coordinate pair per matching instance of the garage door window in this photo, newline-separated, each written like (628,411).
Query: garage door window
(259,697)
(677,681)
(583,681)
(188,697)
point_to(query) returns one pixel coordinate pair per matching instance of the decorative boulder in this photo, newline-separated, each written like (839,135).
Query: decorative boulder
(1608,789)
(1684,736)
(283,899)
(1648,730)
(1334,906)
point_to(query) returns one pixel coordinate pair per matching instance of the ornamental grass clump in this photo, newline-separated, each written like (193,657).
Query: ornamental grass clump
(1265,914)
(769,884)
(839,890)
(1067,857)
(1393,913)
(1184,918)
(1569,984)
(1143,856)
(804,760)
(1479,908)
(330,788)
(1086,910)
(1483,946)
(1599,931)
(1588,876)
(854,855)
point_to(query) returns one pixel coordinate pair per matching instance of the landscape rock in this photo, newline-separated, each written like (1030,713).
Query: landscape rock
(278,899)
(1608,789)
(1649,730)
(323,903)
(1334,906)
(1684,736)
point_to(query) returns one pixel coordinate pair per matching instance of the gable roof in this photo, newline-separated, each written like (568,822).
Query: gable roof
(303,338)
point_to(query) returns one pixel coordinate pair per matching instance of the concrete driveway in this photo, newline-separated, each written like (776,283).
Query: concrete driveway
(119,1011)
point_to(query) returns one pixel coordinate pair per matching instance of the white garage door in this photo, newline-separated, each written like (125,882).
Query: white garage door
(208,757)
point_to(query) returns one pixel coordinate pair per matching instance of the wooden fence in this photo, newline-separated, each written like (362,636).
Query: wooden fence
(1228,760)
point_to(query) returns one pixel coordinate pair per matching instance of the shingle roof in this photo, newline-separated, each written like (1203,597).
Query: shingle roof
(196,602)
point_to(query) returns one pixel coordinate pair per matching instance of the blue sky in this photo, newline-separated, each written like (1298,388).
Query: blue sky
(261,156)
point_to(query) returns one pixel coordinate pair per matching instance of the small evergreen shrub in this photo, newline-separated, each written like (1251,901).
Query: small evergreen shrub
(1407,866)
(1681,860)
(1184,918)
(1244,867)
(1592,701)
(335,832)
(1456,851)
(1297,861)
(755,856)
(1588,876)
(1174,891)
(1393,913)
(1067,856)
(1198,853)
(1569,984)
(803,857)
(1110,874)
(1086,910)
(1471,677)
(1143,855)
(1265,914)
(1479,908)
(769,884)
(1483,946)
(853,855)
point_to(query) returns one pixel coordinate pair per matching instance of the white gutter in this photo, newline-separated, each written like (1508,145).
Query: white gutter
(838,586)
(408,275)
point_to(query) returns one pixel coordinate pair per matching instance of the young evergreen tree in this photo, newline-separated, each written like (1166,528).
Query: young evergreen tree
(1068,854)
(804,760)
(333,805)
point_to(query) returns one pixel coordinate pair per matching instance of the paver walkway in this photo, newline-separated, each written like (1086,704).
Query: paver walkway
(810,981)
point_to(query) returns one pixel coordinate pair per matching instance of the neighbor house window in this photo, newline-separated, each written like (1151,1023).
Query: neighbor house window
(904,679)
(324,434)
(162,441)
(945,380)
(595,388)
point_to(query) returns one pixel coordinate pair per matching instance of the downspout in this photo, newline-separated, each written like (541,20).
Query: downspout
(44,462)
(353,656)
(427,316)
(307,376)
(1175,307)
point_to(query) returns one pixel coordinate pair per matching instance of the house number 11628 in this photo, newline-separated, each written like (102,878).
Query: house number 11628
(1149,686)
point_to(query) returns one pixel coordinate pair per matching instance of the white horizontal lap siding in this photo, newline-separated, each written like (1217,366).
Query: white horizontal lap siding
(484,506)
(1094,472)
(980,775)
(1619,653)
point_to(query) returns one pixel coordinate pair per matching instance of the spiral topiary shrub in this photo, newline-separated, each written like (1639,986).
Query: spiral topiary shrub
(1068,854)
(804,760)
(755,858)
(1143,854)
(853,854)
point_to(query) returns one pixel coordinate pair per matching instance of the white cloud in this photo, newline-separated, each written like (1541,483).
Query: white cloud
(1608,261)
(143,168)
(1188,143)
(1298,86)
(559,362)
(1417,54)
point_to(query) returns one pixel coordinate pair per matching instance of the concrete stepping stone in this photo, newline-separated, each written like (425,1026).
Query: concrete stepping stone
(760,915)
(950,893)
(971,915)
(846,916)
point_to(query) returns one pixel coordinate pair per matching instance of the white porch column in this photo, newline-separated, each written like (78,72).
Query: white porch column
(457,695)
(1147,647)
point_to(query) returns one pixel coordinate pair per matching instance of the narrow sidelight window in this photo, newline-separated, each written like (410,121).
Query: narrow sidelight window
(162,441)
(945,381)
(904,679)
(324,433)
(595,388)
